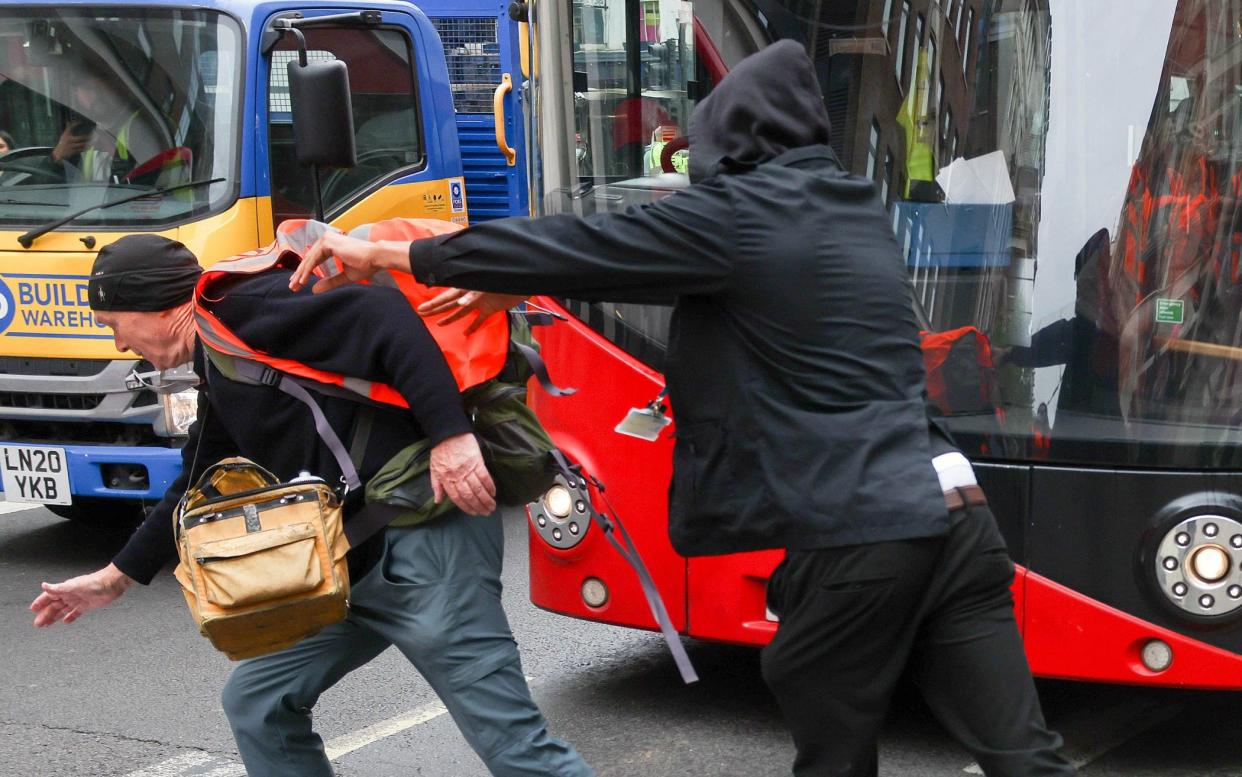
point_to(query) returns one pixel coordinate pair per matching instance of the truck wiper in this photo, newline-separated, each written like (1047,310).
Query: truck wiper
(28,239)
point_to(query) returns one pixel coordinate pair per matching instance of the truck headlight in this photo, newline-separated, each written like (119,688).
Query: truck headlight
(180,410)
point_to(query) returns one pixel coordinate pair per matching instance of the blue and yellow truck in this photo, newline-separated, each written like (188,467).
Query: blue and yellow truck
(175,119)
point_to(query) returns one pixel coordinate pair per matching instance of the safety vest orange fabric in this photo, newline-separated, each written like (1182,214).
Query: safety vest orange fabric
(473,359)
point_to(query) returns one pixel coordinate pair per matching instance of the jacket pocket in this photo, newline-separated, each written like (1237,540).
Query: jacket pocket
(715,476)
(695,447)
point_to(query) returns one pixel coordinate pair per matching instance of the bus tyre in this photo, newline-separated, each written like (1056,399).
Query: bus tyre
(104,513)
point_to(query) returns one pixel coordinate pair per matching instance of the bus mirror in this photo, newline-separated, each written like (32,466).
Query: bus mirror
(323,119)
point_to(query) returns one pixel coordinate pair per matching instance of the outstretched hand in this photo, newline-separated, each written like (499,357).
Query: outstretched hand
(462,303)
(360,259)
(458,472)
(66,602)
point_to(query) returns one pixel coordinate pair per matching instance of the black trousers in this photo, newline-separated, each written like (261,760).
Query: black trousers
(853,619)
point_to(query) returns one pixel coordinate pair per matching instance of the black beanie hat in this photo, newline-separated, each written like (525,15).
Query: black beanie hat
(143,273)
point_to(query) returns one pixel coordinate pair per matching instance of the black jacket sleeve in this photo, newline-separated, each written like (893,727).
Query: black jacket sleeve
(152,544)
(680,245)
(1054,344)
(368,332)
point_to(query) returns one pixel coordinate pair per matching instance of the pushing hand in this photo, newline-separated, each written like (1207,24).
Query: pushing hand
(459,303)
(359,260)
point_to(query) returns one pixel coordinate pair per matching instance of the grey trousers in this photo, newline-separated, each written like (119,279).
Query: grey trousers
(435,594)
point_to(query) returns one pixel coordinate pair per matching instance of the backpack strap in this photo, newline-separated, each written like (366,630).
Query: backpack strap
(261,374)
(371,518)
(363,424)
(540,370)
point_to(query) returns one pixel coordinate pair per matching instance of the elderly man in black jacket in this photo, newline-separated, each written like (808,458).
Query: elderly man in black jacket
(431,589)
(795,373)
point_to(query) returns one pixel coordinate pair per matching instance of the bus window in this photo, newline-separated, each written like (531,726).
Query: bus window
(633,63)
(1073,242)
(634,70)
(386,120)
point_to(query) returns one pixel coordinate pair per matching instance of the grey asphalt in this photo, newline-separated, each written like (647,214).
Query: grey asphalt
(132,691)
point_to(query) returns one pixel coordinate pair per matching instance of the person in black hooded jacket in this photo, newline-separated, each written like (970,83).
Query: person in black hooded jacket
(795,372)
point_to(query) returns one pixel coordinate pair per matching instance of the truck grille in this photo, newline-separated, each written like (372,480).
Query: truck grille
(473,57)
(97,432)
(19,399)
(68,368)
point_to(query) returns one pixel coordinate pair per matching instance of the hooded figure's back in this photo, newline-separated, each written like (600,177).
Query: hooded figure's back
(804,372)
(793,366)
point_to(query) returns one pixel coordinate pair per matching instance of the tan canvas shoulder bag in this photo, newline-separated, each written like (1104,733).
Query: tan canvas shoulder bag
(262,563)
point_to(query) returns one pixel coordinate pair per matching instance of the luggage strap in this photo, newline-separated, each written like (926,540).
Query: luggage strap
(614,531)
(540,369)
(372,517)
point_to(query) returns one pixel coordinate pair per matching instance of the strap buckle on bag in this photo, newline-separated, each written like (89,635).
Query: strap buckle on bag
(269,376)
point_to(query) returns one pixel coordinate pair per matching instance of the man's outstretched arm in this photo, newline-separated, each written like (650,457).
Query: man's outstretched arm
(682,244)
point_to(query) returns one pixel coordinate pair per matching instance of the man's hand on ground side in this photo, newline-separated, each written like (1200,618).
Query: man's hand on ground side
(458,472)
(66,602)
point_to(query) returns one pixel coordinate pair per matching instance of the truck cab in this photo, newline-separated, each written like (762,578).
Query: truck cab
(155,117)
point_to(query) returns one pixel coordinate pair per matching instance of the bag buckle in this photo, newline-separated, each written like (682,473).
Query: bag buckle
(252,518)
(270,377)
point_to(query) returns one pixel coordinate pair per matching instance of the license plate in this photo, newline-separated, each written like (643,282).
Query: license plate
(31,474)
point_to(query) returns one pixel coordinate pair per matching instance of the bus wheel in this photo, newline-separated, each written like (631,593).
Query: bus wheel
(104,513)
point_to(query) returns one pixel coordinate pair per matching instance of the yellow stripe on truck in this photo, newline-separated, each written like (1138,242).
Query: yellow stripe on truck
(43,304)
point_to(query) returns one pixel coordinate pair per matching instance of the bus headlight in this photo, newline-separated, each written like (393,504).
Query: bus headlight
(560,517)
(1210,563)
(180,410)
(1198,565)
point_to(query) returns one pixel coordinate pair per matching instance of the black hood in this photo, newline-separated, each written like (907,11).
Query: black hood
(770,103)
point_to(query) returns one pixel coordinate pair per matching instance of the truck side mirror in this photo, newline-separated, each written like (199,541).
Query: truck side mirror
(323,119)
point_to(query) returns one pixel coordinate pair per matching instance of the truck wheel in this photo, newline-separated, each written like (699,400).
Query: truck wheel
(104,513)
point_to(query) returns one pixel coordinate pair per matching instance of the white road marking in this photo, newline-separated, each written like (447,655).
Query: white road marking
(177,765)
(17,507)
(348,743)
(1091,735)
(193,764)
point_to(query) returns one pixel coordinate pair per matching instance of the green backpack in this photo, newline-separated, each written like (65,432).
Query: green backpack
(516,447)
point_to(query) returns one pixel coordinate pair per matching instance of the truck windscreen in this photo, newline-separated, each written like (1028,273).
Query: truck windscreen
(104,103)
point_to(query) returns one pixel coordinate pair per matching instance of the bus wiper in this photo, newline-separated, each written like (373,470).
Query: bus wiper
(28,239)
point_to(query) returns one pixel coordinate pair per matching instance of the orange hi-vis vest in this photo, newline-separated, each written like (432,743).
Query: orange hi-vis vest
(473,359)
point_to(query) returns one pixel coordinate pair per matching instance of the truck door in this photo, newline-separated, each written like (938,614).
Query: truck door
(408,162)
(481,48)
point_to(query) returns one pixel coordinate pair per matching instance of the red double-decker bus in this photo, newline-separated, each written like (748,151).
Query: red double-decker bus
(1065,181)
